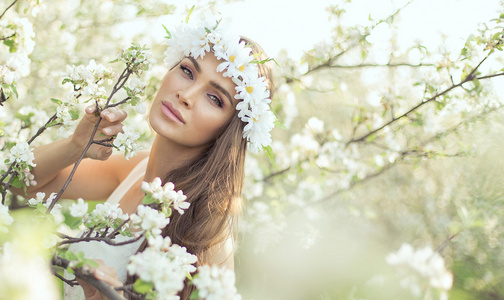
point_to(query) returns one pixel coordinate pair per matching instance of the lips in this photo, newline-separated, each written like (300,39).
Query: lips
(171,112)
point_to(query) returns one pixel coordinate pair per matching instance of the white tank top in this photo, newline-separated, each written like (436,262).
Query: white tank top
(113,256)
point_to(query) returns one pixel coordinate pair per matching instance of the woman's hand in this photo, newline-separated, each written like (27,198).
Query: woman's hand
(110,126)
(104,273)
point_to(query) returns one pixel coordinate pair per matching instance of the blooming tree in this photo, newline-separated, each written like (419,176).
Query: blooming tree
(370,164)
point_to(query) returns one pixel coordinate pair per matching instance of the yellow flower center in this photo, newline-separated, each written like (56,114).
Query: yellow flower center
(232,58)
(249,89)
(241,68)
(256,120)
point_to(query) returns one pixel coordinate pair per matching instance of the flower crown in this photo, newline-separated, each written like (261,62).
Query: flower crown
(190,39)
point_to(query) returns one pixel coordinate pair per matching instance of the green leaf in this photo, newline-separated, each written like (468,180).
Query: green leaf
(57,101)
(189,13)
(167,211)
(194,295)
(74,114)
(271,155)
(143,287)
(188,275)
(10,43)
(279,124)
(148,199)
(17,183)
(71,221)
(14,90)
(52,124)
(91,263)
(168,33)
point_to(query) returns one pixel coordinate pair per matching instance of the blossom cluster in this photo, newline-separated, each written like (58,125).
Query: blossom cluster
(164,265)
(105,215)
(79,209)
(22,154)
(237,63)
(164,194)
(43,204)
(421,267)
(17,34)
(126,141)
(214,283)
(87,81)
(149,220)
(138,58)
(21,157)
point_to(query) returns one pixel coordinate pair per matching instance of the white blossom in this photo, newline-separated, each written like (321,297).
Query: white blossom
(165,267)
(22,153)
(149,219)
(126,141)
(315,125)
(79,209)
(39,198)
(106,213)
(137,86)
(421,266)
(166,194)
(214,283)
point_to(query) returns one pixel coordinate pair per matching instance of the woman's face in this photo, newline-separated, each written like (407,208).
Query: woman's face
(193,103)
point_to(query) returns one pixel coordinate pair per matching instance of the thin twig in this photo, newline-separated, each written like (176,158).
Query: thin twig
(67,281)
(389,65)
(107,240)
(445,243)
(11,5)
(42,129)
(355,183)
(7,37)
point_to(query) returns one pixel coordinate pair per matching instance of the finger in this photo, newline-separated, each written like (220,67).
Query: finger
(113,129)
(105,153)
(114,114)
(90,109)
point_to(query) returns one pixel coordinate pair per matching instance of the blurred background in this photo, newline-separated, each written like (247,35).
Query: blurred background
(384,139)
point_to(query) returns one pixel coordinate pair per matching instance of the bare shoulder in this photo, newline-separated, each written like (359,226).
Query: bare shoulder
(95,179)
(123,166)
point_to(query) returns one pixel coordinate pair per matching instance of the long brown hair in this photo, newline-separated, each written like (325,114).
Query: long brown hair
(212,183)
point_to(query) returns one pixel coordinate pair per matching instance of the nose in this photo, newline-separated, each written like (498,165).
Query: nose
(187,95)
(184,98)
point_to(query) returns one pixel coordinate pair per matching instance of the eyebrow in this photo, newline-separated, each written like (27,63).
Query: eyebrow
(195,63)
(212,83)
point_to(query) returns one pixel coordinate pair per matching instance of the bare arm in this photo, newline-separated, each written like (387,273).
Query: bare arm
(97,175)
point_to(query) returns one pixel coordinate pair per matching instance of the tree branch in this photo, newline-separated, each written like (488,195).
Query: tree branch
(84,274)
(11,5)
(108,240)
(468,78)
(390,65)
(7,37)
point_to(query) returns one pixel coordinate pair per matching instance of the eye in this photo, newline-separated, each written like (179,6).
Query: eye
(187,71)
(215,100)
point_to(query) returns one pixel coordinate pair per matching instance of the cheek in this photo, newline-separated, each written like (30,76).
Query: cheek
(211,124)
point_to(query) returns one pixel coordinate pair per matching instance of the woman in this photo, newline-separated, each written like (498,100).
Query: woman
(211,104)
